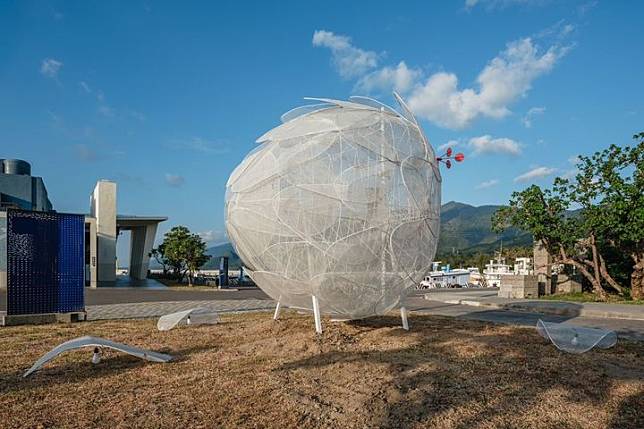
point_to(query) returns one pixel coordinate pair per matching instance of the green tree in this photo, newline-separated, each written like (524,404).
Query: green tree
(183,251)
(543,213)
(159,255)
(610,189)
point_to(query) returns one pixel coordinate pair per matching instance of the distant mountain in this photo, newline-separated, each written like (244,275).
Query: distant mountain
(463,227)
(216,252)
(468,228)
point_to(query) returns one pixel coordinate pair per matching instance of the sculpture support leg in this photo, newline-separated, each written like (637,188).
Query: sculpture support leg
(403,316)
(277,310)
(316,314)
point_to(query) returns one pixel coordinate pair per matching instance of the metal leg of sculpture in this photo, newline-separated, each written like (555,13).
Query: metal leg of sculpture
(316,314)
(277,310)
(403,316)
(96,356)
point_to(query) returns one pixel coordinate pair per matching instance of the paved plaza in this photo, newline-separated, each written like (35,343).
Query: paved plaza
(155,309)
(135,303)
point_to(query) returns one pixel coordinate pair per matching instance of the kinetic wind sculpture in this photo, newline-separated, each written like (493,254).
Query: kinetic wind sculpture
(337,210)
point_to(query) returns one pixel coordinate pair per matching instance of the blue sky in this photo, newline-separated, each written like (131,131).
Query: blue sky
(166,98)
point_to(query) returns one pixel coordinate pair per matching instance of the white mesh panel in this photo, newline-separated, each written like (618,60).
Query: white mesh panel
(342,203)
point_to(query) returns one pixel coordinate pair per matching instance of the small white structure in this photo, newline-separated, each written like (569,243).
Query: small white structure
(576,339)
(337,210)
(523,267)
(192,317)
(495,270)
(97,342)
(476,278)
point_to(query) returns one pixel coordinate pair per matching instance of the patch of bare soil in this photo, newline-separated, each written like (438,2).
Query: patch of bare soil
(250,371)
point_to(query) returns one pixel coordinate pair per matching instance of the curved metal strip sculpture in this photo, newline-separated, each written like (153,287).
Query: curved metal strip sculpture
(337,210)
(88,341)
(576,339)
(194,316)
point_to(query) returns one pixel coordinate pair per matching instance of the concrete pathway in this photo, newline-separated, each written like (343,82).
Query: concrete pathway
(490,300)
(632,329)
(142,310)
(625,328)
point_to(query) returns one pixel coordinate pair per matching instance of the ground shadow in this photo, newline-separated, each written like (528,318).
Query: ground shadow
(436,374)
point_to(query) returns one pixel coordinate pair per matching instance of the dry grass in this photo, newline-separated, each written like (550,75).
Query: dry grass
(249,371)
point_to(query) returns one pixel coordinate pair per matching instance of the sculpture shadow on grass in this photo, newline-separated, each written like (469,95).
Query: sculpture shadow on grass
(487,372)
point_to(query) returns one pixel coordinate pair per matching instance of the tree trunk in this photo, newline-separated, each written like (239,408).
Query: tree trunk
(609,279)
(637,277)
(597,287)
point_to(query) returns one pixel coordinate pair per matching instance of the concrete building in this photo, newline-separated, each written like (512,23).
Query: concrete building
(18,190)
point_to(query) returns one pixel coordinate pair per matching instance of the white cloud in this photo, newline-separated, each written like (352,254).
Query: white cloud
(349,60)
(174,180)
(85,87)
(572,172)
(487,184)
(488,144)
(400,78)
(106,110)
(535,173)
(444,146)
(530,114)
(506,78)
(50,67)
(212,235)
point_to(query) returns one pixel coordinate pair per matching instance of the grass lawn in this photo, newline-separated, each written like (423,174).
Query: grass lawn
(250,371)
(591,297)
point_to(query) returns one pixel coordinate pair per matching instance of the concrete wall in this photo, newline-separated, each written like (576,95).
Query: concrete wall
(103,209)
(567,284)
(521,286)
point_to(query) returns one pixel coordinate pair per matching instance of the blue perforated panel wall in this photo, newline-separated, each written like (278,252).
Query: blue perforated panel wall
(45,262)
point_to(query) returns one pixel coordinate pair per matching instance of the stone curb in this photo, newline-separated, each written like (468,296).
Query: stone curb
(544,308)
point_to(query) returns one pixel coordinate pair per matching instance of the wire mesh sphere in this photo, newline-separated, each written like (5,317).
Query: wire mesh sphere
(341,202)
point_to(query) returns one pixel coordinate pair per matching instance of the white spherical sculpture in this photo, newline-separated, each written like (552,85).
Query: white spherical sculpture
(341,202)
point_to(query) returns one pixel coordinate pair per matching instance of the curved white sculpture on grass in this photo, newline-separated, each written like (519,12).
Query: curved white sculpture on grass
(576,339)
(97,342)
(341,202)
(194,316)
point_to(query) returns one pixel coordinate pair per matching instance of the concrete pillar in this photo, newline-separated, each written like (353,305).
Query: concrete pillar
(91,265)
(103,209)
(543,267)
(141,244)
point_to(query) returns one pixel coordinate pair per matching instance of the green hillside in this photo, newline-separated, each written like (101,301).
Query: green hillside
(468,228)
